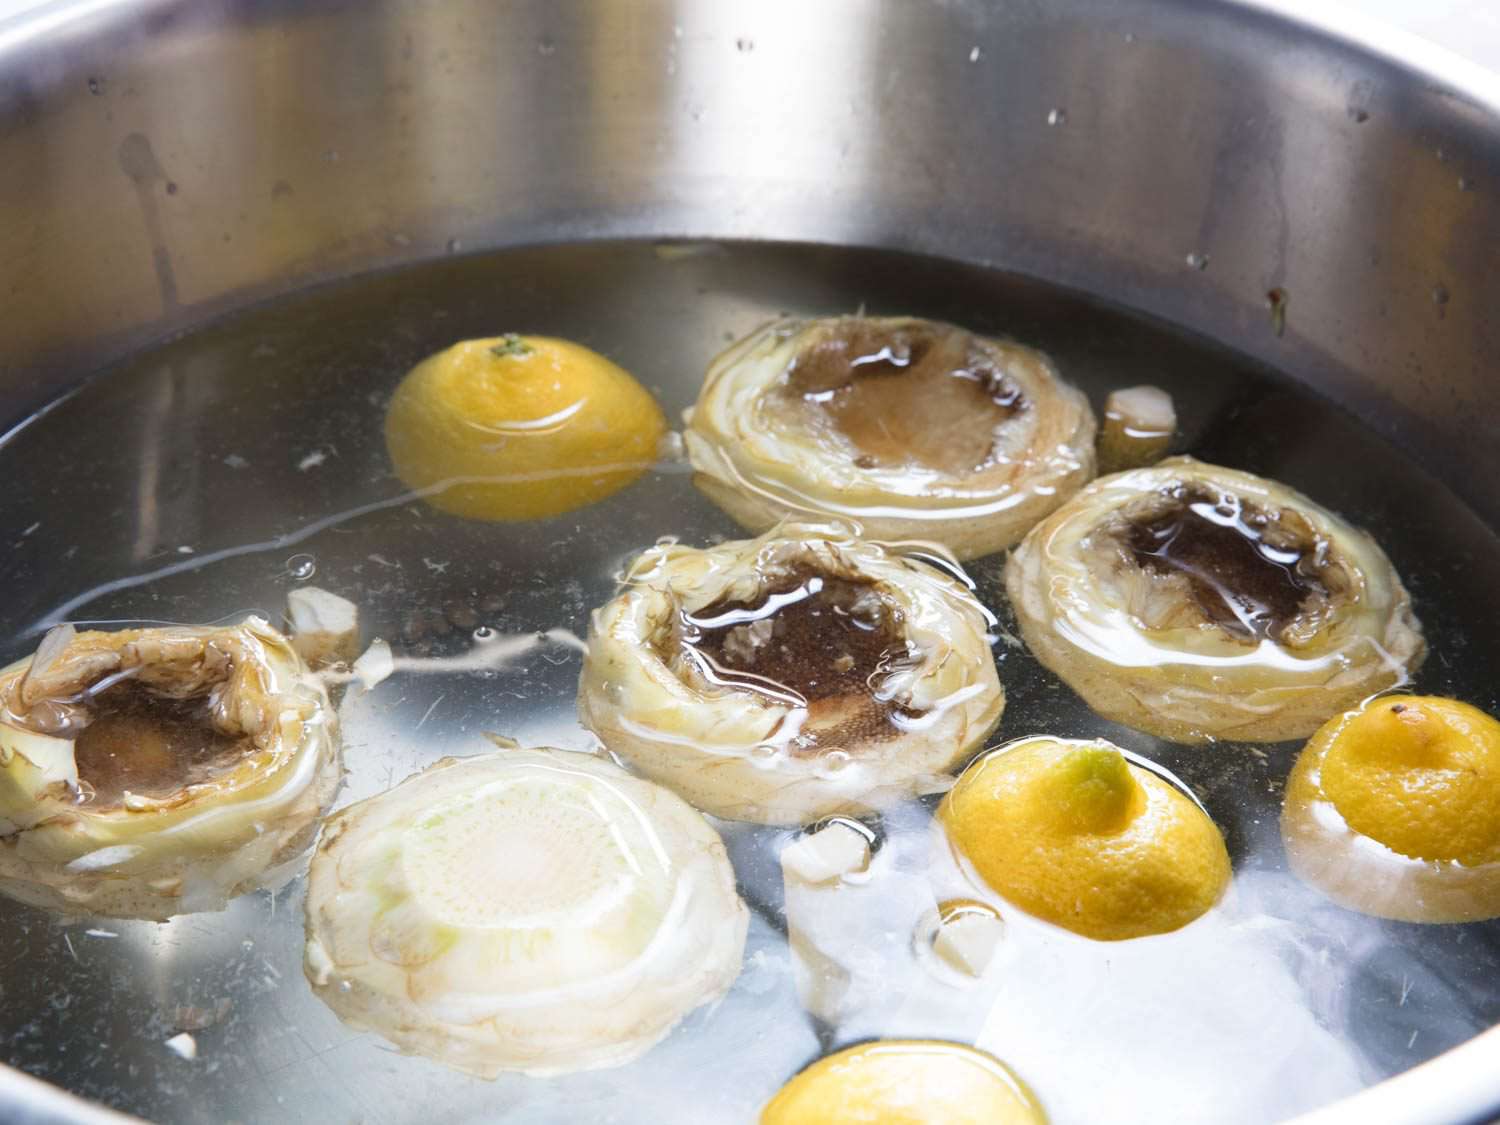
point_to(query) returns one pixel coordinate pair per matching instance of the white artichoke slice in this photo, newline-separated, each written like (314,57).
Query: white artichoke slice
(152,772)
(795,676)
(1195,602)
(909,428)
(536,910)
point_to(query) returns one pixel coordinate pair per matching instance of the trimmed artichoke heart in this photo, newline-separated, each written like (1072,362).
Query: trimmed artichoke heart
(152,772)
(1196,602)
(794,676)
(909,428)
(536,910)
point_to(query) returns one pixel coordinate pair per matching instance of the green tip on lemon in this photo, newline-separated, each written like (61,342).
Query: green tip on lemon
(1094,790)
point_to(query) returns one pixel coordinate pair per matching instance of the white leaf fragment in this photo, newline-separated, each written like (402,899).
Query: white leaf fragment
(101,858)
(967,942)
(836,850)
(325,626)
(375,665)
(33,764)
(183,1045)
(1138,427)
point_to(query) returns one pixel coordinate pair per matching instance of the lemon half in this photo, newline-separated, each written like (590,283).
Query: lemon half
(1075,834)
(520,427)
(1393,809)
(905,1082)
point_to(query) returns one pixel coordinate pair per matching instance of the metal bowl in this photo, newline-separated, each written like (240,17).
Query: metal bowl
(162,161)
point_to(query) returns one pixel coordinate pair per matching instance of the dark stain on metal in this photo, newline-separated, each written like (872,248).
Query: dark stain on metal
(138,161)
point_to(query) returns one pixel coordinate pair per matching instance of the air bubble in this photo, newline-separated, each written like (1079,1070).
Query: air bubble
(1198,261)
(833,762)
(301,567)
(483,633)
(765,755)
(1057,116)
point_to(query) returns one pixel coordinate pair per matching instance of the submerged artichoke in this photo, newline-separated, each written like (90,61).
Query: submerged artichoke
(526,910)
(909,428)
(1192,602)
(153,772)
(795,676)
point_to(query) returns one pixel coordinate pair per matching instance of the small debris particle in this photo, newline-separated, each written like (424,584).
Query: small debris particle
(461,615)
(1276,301)
(312,460)
(974,54)
(235,461)
(184,1046)
(190,1017)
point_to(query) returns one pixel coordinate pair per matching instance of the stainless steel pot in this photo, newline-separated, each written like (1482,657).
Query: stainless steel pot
(164,160)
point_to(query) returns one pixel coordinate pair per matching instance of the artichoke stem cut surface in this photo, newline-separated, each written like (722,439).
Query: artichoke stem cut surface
(539,911)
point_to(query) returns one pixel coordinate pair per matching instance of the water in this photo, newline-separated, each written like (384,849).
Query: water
(207,477)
